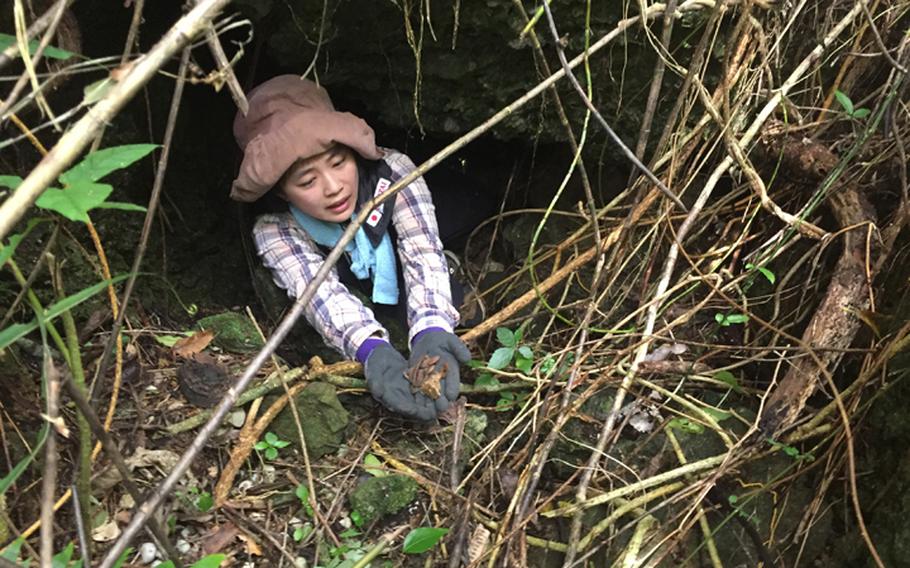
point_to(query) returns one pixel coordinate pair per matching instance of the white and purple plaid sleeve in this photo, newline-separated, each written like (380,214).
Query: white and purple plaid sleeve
(342,320)
(426,273)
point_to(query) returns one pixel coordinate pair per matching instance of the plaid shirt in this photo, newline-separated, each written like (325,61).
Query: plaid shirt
(339,316)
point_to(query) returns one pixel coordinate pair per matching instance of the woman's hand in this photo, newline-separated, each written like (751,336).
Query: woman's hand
(384,370)
(452,353)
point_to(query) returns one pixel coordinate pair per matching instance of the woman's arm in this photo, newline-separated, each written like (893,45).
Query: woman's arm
(426,274)
(340,318)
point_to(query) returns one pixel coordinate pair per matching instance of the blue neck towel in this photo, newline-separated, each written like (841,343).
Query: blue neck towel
(377,263)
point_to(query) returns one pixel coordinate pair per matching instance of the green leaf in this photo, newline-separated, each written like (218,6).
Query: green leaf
(271,438)
(62,558)
(372,465)
(50,51)
(96,91)
(422,539)
(519,333)
(261,445)
(18,330)
(548,365)
(686,425)
(6,251)
(167,340)
(717,415)
(205,502)
(126,554)
(210,561)
(737,318)
(729,378)
(11,552)
(501,358)
(11,182)
(123,206)
(357,518)
(844,101)
(485,381)
(271,453)
(526,352)
(524,365)
(349,533)
(280,444)
(303,493)
(505,337)
(721,319)
(75,202)
(861,113)
(99,164)
(764,272)
(732,499)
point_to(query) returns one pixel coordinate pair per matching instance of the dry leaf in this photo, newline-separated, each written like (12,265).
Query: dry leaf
(425,378)
(252,547)
(478,543)
(220,538)
(106,532)
(193,344)
(164,459)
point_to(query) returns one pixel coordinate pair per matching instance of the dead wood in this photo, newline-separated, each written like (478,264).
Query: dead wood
(835,323)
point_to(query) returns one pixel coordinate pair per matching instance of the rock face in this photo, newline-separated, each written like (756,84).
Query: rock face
(322,417)
(443,68)
(379,496)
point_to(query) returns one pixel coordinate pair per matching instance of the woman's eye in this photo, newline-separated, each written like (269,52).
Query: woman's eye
(307,182)
(338,163)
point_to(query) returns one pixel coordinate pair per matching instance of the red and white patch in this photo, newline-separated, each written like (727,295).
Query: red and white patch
(382,185)
(375,217)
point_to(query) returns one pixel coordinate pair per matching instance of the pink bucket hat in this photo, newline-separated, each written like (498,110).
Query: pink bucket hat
(290,119)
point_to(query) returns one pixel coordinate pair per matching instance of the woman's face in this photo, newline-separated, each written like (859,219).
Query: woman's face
(323,186)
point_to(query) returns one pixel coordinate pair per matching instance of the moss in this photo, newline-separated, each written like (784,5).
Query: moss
(322,418)
(233,332)
(376,497)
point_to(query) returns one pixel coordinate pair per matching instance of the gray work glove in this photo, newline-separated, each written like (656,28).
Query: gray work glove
(452,353)
(384,370)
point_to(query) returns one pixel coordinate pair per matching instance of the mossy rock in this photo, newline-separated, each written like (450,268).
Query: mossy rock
(233,332)
(322,417)
(377,497)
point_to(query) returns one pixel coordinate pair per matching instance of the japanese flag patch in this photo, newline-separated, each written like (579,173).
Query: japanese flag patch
(375,217)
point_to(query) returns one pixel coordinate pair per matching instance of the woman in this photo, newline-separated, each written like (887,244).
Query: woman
(325,165)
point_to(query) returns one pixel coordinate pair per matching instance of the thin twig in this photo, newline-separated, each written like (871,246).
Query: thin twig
(49,475)
(613,136)
(152,208)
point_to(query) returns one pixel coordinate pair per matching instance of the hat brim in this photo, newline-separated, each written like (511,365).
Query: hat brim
(269,155)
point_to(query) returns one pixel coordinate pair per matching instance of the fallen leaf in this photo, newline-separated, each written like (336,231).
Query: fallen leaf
(106,532)
(193,344)
(164,459)
(220,538)
(477,546)
(252,547)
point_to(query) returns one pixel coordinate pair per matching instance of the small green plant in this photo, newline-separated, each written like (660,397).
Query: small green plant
(791,451)
(303,493)
(270,445)
(302,531)
(373,466)
(849,110)
(195,498)
(511,349)
(730,319)
(764,272)
(348,552)
(422,539)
